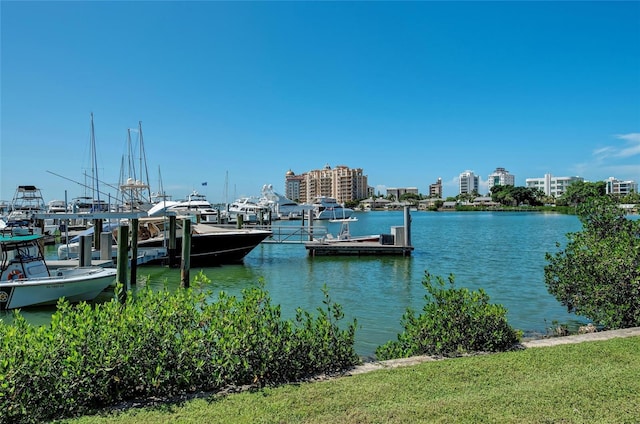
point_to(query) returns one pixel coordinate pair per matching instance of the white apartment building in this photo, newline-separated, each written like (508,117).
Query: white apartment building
(342,183)
(550,185)
(469,182)
(501,177)
(615,186)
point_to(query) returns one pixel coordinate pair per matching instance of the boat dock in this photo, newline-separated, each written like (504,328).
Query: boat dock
(356,248)
(397,243)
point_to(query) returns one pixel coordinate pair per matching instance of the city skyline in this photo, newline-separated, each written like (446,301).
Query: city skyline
(235,94)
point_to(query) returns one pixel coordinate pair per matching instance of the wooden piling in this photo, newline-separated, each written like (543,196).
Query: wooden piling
(172,242)
(134,251)
(123,259)
(97,229)
(105,245)
(186,253)
(84,254)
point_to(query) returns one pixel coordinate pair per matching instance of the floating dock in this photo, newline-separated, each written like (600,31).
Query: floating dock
(397,243)
(356,248)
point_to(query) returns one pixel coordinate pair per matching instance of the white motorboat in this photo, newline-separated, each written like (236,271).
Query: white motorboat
(325,207)
(195,204)
(281,207)
(27,202)
(56,206)
(250,208)
(26,280)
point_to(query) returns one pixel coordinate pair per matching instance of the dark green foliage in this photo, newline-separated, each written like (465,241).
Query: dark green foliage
(597,275)
(158,345)
(580,192)
(454,321)
(509,195)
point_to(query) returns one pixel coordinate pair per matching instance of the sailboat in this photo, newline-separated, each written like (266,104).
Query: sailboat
(134,188)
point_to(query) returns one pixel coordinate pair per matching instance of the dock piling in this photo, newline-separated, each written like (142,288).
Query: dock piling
(186,253)
(123,260)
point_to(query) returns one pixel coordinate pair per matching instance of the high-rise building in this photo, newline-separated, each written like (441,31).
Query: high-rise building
(469,182)
(550,185)
(501,177)
(435,189)
(292,185)
(342,183)
(615,186)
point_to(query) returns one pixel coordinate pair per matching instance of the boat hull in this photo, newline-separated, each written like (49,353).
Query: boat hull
(216,248)
(74,284)
(337,213)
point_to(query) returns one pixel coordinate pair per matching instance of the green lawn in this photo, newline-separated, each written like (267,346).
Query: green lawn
(592,382)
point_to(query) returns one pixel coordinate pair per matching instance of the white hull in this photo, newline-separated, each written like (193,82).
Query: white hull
(74,284)
(335,213)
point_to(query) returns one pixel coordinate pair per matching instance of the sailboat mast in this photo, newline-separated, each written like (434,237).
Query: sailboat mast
(143,161)
(94,164)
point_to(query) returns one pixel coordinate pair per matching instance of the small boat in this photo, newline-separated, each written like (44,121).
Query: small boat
(56,206)
(350,219)
(325,207)
(26,280)
(345,234)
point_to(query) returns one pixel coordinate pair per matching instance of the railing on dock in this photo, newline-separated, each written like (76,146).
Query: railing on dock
(292,234)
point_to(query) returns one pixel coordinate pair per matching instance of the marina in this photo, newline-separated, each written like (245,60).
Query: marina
(500,252)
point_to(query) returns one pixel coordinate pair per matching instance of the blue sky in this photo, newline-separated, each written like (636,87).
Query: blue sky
(237,93)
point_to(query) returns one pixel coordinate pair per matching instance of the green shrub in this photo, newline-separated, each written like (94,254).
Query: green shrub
(597,275)
(161,344)
(454,321)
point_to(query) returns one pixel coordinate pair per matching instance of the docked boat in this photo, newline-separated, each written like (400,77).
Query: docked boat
(280,206)
(27,202)
(195,204)
(250,208)
(325,207)
(56,206)
(211,245)
(26,280)
(344,234)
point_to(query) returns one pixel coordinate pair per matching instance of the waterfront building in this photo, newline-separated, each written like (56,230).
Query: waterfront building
(615,186)
(435,190)
(397,192)
(501,177)
(293,186)
(469,182)
(550,185)
(342,183)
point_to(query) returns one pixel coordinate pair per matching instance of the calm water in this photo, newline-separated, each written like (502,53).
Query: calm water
(501,252)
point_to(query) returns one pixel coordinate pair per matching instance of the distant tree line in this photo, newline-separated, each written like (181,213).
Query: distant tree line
(507,195)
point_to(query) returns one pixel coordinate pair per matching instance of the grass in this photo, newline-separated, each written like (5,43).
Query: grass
(593,382)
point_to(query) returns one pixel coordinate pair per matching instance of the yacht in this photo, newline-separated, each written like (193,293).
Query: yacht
(198,205)
(250,208)
(325,207)
(281,207)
